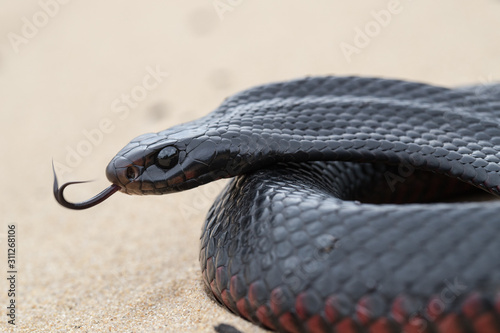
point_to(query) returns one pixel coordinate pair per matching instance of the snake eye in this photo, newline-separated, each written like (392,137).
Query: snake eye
(167,157)
(132,173)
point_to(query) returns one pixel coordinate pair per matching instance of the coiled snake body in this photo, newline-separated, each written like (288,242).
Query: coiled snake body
(336,221)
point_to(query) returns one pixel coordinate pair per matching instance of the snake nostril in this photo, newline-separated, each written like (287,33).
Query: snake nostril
(131,173)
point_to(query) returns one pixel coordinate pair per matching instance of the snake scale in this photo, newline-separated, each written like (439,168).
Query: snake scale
(340,217)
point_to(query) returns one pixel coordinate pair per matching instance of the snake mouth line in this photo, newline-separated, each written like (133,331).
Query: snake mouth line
(97,199)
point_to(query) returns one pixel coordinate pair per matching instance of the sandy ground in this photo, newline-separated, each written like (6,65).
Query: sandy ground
(78,80)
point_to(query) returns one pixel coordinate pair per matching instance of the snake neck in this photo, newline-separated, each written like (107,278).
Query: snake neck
(377,130)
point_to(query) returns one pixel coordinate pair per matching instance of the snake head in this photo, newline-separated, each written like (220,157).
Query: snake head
(170,161)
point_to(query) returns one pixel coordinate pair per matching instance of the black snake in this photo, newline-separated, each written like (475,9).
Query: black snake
(337,220)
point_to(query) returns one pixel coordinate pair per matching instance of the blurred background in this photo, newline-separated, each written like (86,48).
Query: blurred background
(79,80)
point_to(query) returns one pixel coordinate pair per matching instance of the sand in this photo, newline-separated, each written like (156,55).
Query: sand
(78,80)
